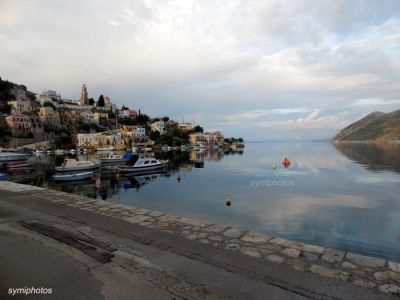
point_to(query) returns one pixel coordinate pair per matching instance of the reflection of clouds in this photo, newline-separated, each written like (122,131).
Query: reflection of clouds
(376,178)
(310,163)
(290,205)
(320,161)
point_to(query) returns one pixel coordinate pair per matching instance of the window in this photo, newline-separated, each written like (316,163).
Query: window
(146,162)
(153,161)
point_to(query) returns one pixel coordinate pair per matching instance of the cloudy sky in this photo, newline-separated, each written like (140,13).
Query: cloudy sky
(264,70)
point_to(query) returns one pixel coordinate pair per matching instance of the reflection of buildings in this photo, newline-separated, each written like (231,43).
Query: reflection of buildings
(107,186)
(375,157)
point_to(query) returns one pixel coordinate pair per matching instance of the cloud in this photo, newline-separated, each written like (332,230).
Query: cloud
(313,120)
(241,66)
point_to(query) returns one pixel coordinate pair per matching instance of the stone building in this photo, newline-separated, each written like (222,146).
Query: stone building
(84,100)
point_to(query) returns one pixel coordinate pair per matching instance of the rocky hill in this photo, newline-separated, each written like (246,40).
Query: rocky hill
(375,127)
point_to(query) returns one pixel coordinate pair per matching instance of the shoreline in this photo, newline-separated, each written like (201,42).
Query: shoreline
(364,271)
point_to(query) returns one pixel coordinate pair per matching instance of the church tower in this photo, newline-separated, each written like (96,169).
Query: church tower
(84,96)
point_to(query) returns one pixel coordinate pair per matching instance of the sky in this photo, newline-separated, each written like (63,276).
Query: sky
(262,70)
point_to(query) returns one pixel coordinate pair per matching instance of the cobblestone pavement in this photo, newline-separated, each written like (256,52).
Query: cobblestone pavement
(368,272)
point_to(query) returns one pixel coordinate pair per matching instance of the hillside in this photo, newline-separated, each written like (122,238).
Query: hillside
(6,94)
(375,127)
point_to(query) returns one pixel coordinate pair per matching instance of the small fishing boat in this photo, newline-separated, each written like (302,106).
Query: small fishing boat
(3,176)
(115,159)
(16,164)
(106,149)
(12,156)
(142,163)
(59,152)
(73,176)
(71,165)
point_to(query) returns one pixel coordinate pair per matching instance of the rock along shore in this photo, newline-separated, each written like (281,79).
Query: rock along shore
(367,272)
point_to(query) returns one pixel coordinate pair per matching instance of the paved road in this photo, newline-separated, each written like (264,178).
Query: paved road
(82,255)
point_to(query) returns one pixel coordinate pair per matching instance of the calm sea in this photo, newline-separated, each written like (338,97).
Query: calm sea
(343,196)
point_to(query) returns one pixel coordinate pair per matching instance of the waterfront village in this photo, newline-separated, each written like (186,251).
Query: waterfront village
(27,118)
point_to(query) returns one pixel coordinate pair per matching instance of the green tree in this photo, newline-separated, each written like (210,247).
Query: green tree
(165,119)
(111,114)
(198,128)
(154,135)
(124,107)
(142,118)
(63,140)
(101,102)
(49,104)
(82,127)
(91,101)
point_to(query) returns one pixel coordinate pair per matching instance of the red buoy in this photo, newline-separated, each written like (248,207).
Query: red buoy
(286,162)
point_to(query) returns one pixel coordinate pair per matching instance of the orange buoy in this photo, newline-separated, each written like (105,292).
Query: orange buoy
(178,178)
(286,162)
(228,202)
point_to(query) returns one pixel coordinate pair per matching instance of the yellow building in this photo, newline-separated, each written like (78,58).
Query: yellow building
(100,140)
(49,117)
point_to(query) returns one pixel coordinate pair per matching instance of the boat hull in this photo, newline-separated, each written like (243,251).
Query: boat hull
(112,161)
(72,177)
(138,169)
(75,169)
(17,164)
(13,157)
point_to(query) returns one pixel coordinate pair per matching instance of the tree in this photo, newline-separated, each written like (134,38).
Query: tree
(124,107)
(91,101)
(165,119)
(111,114)
(101,102)
(49,104)
(240,140)
(142,118)
(154,135)
(82,127)
(198,128)
(63,140)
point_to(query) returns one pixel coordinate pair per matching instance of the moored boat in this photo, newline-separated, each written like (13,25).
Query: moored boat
(115,159)
(73,176)
(16,164)
(106,149)
(12,156)
(59,152)
(142,163)
(71,165)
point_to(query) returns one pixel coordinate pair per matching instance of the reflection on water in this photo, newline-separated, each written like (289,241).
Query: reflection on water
(375,157)
(344,196)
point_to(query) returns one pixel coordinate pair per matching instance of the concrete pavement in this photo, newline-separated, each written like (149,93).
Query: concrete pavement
(81,254)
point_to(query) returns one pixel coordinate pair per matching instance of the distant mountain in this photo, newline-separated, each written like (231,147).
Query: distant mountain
(375,127)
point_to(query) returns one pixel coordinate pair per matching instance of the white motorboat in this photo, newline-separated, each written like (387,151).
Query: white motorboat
(73,176)
(71,165)
(59,152)
(12,156)
(142,163)
(114,159)
(106,149)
